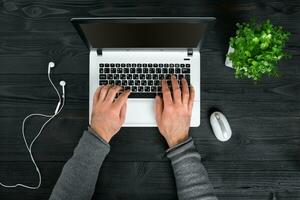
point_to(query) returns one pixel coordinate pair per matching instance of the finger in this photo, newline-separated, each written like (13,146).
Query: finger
(103,92)
(122,99)
(123,113)
(167,98)
(96,95)
(158,108)
(185,92)
(191,99)
(112,93)
(176,90)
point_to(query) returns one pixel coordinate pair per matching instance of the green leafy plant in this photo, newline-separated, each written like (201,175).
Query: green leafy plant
(257,49)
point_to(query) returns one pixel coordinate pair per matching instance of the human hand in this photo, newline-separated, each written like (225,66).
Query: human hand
(173,114)
(108,113)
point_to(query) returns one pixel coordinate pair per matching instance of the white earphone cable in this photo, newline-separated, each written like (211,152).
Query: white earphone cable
(29,147)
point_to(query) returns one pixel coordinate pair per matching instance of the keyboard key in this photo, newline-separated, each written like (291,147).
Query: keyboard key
(158,70)
(122,76)
(122,65)
(140,89)
(109,76)
(185,70)
(133,65)
(116,76)
(144,65)
(117,65)
(171,70)
(139,70)
(101,65)
(153,89)
(134,89)
(129,76)
(150,82)
(161,76)
(111,82)
(180,76)
(181,65)
(148,76)
(168,76)
(145,70)
(139,65)
(101,70)
(102,76)
(155,65)
(106,65)
(112,65)
(157,82)
(113,70)
(149,65)
(103,82)
(132,70)
(124,83)
(106,70)
(188,65)
(151,70)
(137,82)
(160,65)
(128,65)
(147,89)
(165,70)
(130,82)
(117,82)
(171,65)
(135,76)
(142,76)
(126,70)
(177,70)
(176,65)
(154,76)
(119,70)
(143,82)
(166,65)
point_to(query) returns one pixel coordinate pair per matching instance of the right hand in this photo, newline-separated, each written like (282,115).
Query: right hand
(108,112)
(173,114)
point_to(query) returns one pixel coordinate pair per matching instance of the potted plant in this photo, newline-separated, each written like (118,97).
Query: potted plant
(256,49)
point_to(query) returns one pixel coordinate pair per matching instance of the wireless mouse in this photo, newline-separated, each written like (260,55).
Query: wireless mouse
(220,126)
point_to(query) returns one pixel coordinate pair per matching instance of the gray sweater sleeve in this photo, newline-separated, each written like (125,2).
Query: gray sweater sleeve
(191,177)
(79,175)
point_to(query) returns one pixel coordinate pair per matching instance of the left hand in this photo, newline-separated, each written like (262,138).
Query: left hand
(109,112)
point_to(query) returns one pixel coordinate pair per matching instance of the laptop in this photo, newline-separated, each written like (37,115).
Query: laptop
(137,53)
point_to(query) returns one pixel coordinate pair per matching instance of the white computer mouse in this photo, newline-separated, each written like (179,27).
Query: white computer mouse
(220,126)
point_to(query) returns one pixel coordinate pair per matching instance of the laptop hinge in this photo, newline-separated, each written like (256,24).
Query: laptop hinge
(99,52)
(190,52)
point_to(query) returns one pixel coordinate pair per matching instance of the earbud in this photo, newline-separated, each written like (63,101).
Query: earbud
(50,65)
(63,84)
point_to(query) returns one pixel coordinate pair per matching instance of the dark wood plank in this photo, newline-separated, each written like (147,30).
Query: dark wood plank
(149,180)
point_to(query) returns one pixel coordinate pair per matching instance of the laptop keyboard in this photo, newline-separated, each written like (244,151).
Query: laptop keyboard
(142,79)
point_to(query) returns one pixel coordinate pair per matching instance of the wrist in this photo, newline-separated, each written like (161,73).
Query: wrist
(175,141)
(102,133)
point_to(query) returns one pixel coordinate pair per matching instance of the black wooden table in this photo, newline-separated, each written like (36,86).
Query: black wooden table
(262,158)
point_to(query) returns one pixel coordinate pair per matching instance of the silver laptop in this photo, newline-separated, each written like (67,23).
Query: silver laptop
(137,53)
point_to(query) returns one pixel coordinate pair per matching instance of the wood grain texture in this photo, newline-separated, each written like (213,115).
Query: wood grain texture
(263,156)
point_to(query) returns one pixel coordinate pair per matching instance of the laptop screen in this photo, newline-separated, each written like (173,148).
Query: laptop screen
(143,35)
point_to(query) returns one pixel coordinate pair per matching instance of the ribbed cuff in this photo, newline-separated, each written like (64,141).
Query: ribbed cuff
(92,131)
(185,147)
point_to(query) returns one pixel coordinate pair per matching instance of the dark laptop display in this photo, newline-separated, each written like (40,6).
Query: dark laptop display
(143,35)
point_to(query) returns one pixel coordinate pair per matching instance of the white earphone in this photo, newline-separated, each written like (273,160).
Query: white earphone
(59,107)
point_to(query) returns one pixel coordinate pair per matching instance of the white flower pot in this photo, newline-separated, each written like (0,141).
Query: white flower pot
(228,62)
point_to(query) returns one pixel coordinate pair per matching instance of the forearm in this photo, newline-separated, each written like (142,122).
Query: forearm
(79,175)
(191,177)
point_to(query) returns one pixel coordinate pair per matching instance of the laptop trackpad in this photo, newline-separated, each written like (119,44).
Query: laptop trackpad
(140,112)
